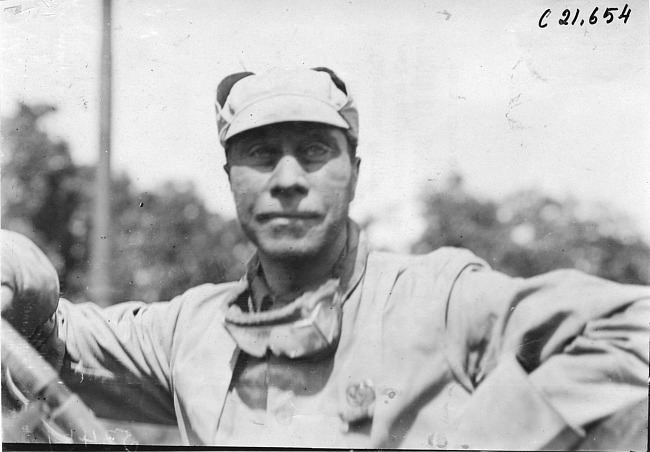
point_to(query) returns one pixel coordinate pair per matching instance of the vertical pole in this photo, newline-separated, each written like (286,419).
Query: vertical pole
(101,239)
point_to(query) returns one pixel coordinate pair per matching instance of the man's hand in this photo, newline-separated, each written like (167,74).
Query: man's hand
(30,285)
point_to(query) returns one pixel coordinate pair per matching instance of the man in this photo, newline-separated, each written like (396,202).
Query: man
(325,344)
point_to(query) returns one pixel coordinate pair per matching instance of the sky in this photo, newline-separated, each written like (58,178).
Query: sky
(473,87)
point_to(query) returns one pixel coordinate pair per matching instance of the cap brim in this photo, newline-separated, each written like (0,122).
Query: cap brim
(284,108)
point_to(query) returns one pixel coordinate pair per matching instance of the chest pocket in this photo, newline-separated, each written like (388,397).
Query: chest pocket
(399,353)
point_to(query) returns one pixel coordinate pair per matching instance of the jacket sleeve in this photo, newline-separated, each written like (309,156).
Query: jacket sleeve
(118,358)
(547,357)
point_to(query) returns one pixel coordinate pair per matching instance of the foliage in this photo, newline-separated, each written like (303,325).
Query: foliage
(530,233)
(163,242)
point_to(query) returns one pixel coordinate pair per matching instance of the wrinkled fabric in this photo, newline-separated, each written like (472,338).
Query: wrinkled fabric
(32,280)
(270,394)
(459,356)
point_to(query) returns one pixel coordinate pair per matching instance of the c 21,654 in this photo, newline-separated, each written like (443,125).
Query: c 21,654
(608,15)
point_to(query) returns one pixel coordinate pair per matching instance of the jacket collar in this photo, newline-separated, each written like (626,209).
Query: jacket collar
(352,268)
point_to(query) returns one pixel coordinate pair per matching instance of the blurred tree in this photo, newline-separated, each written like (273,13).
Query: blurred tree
(42,189)
(531,233)
(165,241)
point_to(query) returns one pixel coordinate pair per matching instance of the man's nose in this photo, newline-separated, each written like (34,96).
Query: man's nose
(288,178)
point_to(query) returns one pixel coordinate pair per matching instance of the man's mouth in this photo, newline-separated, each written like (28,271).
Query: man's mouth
(287,216)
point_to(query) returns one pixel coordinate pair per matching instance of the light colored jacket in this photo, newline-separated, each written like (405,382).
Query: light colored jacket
(460,356)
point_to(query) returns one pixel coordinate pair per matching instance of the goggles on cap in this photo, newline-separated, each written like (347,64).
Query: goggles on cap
(246,101)
(310,326)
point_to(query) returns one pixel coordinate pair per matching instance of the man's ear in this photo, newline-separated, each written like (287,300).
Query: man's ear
(355,175)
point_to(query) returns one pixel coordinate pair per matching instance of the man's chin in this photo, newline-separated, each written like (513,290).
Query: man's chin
(295,246)
(289,251)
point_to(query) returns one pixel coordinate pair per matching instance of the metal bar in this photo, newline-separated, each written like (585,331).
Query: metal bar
(101,237)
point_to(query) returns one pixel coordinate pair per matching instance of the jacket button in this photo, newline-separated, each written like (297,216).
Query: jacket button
(360,394)
(285,415)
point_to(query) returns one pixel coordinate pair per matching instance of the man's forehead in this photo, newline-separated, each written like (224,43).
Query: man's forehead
(284,129)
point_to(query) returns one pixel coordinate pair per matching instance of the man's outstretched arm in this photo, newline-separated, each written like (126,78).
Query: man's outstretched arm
(116,358)
(549,356)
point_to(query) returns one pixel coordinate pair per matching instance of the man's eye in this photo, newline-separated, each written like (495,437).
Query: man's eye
(315,152)
(262,153)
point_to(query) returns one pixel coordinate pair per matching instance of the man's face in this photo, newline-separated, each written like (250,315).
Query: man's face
(292,183)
